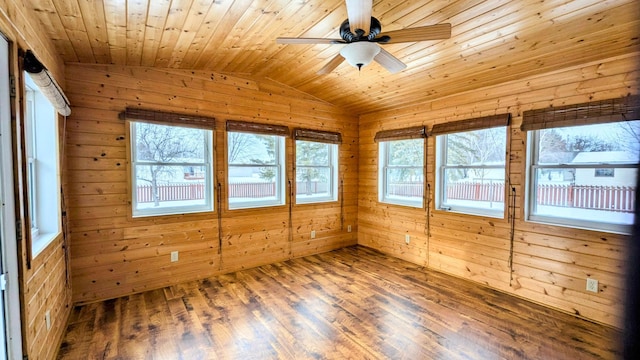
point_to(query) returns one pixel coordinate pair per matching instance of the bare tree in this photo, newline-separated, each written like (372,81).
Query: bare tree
(160,145)
(239,146)
(479,147)
(628,138)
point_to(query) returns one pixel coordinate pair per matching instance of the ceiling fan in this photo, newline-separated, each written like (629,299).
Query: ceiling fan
(361,34)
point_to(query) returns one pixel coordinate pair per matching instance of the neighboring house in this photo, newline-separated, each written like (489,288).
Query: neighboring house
(605,176)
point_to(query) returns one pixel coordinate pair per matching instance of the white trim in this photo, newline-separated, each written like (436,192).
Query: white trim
(206,162)
(574,221)
(7,217)
(280,178)
(44,170)
(333,176)
(441,149)
(383,161)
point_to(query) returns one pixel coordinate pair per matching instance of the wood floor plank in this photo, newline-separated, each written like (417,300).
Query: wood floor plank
(349,303)
(161,342)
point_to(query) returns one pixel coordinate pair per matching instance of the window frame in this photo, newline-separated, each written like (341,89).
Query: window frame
(532,165)
(441,150)
(383,167)
(208,164)
(620,109)
(42,161)
(333,166)
(279,165)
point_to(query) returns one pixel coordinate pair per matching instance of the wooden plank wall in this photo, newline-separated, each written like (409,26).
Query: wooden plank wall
(550,263)
(43,287)
(114,255)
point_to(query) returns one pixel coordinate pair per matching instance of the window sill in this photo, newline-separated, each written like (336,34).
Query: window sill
(404,204)
(621,229)
(41,242)
(247,205)
(316,201)
(493,215)
(171,212)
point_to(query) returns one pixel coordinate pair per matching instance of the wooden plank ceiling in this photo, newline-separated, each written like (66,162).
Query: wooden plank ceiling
(492,41)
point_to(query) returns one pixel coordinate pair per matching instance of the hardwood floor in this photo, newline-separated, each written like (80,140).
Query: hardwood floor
(350,303)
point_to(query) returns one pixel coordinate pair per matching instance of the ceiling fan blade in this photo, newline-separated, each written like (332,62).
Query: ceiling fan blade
(288,40)
(422,33)
(331,65)
(359,13)
(389,62)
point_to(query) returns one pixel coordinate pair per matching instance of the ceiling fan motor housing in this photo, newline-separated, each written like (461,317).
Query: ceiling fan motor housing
(349,36)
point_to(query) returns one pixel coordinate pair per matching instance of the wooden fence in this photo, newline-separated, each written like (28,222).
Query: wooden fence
(611,198)
(491,191)
(252,190)
(172,192)
(196,191)
(406,189)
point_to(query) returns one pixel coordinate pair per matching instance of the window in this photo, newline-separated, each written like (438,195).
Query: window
(401,172)
(584,176)
(470,175)
(43,174)
(316,172)
(256,169)
(604,173)
(171,169)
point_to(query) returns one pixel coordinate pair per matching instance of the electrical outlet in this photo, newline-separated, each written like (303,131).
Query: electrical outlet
(348,228)
(174,256)
(592,285)
(407,238)
(313,234)
(47,319)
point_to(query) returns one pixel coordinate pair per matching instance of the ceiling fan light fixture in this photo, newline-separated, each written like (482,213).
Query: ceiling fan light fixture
(360,53)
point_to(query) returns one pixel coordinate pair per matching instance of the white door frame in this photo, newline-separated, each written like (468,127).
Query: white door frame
(9,242)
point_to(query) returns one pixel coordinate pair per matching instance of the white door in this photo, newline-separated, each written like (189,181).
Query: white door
(10,336)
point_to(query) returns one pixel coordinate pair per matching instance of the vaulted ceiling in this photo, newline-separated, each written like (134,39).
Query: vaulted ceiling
(491,41)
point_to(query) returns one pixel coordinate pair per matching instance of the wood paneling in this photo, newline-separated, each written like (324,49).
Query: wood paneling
(219,58)
(492,41)
(351,303)
(550,263)
(43,287)
(115,255)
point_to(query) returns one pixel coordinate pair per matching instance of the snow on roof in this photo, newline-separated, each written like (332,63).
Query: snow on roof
(604,157)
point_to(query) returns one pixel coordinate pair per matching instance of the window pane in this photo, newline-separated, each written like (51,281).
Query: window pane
(406,152)
(575,193)
(479,147)
(312,153)
(169,144)
(251,149)
(250,183)
(479,188)
(163,186)
(405,183)
(313,183)
(401,172)
(590,144)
